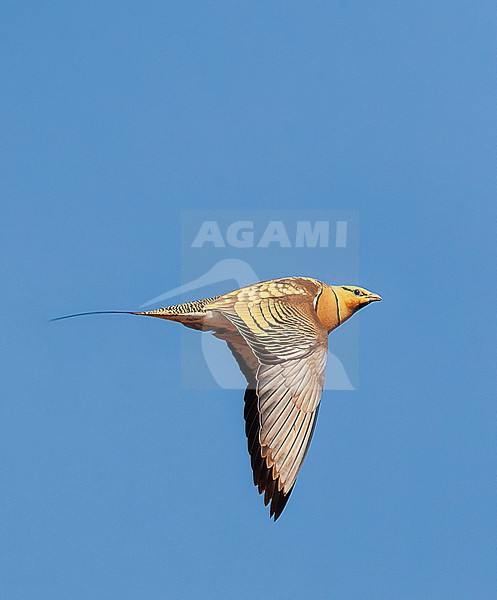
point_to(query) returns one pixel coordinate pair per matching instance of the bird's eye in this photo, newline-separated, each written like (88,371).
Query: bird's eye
(358,293)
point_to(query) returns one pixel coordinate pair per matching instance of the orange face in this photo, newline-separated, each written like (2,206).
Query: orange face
(351,298)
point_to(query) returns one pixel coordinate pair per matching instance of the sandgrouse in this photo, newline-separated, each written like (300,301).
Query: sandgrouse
(278,332)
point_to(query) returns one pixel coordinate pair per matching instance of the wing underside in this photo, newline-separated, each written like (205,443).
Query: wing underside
(281,349)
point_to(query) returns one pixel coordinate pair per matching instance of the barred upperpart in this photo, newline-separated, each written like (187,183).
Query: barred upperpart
(197,306)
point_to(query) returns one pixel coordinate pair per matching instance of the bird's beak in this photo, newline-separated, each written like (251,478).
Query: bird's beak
(374,298)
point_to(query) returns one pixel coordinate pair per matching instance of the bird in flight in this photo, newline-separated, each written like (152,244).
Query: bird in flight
(277,331)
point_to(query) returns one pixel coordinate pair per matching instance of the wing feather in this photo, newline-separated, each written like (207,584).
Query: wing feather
(281,348)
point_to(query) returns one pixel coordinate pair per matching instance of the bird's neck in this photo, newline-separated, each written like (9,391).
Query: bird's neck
(328,309)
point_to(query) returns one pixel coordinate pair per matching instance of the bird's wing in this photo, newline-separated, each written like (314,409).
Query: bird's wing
(281,349)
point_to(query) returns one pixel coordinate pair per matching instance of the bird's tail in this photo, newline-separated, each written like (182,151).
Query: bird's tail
(187,312)
(194,308)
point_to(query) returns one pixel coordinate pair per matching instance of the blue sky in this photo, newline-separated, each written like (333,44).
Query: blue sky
(119,483)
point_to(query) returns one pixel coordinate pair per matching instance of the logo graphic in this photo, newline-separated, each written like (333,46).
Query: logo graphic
(223,251)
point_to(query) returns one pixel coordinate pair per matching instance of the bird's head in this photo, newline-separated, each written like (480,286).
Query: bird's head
(351,298)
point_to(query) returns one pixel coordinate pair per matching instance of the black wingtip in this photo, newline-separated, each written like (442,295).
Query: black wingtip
(278,503)
(94,312)
(263,476)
